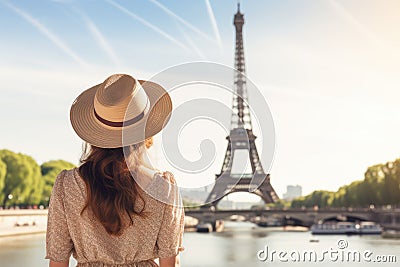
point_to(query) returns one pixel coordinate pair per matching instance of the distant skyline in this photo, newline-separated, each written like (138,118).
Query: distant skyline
(328,69)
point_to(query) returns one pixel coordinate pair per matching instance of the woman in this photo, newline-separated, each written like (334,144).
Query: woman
(116,209)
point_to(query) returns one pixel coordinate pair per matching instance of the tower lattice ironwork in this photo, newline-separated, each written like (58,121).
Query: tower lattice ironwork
(241,137)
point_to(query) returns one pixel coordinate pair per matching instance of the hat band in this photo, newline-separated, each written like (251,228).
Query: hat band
(121,123)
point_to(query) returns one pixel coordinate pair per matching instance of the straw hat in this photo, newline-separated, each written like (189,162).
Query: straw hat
(120,111)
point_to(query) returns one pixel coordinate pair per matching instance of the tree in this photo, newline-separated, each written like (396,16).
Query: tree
(3,171)
(21,179)
(391,189)
(374,178)
(320,198)
(36,189)
(50,170)
(381,186)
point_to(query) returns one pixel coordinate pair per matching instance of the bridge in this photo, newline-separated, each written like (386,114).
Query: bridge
(388,218)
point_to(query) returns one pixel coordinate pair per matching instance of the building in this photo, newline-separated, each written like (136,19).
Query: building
(292,191)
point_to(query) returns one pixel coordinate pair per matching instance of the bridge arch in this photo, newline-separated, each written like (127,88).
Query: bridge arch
(254,199)
(345,217)
(294,221)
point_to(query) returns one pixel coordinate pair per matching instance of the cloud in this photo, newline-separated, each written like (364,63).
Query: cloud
(180,19)
(101,40)
(213,23)
(191,43)
(46,32)
(147,24)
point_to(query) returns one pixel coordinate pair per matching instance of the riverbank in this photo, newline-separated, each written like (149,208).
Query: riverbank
(16,222)
(22,230)
(22,222)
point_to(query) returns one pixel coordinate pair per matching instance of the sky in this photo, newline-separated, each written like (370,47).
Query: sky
(329,71)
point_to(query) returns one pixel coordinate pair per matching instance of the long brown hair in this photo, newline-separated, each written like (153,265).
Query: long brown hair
(111,190)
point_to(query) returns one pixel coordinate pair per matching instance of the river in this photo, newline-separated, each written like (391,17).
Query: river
(242,244)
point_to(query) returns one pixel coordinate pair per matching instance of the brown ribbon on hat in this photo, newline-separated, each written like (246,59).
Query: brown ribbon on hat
(120,123)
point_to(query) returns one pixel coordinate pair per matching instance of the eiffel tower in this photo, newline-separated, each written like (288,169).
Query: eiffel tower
(241,137)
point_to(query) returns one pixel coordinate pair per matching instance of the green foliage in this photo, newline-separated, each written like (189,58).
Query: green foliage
(3,171)
(22,181)
(321,198)
(35,189)
(281,203)
(50,170)
(188,204)
(381,186)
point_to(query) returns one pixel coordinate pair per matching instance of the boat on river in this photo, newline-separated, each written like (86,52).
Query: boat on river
(346,228)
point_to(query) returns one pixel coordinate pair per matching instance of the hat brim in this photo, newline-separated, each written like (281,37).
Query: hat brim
(96,133)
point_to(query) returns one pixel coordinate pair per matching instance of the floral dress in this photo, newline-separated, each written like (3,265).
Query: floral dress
(156,235)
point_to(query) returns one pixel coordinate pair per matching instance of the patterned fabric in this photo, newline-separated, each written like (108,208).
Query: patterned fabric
(157,235)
